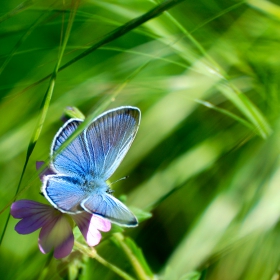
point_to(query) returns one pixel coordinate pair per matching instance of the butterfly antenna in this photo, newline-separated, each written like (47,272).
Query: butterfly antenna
(123,178)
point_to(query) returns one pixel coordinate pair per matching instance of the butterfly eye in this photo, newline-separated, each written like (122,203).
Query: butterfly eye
(109,191)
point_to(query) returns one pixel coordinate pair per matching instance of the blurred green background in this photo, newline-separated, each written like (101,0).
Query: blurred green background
(205,161)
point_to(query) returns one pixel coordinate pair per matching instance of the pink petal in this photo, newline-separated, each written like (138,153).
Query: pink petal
(57,235)
(100,223)
(34,215)
(89,225)
(45,172)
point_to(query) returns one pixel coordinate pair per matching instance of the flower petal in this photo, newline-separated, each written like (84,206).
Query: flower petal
(100,223)
(57,235)
(93,237)
(65,248)
(33,214)
(25,208)
(27,226)
(89,225)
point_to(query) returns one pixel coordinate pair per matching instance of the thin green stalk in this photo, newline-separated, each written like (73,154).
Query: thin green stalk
(195,42)
(223,12)
(20,8)
(91,252)
(115,34)
(21,40)
(133,260)
(227,113)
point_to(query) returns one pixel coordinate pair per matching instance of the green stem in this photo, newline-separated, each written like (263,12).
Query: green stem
(91,252)
(133,260)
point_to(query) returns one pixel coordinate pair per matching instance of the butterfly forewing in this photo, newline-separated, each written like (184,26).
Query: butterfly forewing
(73,159)
(109,138)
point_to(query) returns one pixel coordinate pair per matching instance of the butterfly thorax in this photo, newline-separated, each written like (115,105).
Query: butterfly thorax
(95,185)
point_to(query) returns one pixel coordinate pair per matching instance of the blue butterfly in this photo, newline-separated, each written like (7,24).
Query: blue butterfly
(85,165)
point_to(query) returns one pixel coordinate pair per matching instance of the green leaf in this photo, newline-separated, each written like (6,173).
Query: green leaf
(248,109)
(194,275)
(137,252)
(141,214)
(74,112)
(134,255)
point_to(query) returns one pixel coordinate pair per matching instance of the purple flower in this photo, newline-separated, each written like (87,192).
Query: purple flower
(56,227)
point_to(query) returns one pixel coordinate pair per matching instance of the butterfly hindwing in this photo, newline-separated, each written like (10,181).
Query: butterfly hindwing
(64,192)
(107,206)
